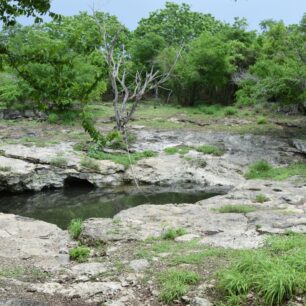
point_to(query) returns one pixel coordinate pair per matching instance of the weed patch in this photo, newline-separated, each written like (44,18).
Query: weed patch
(172,233)
(75,228)
(236,209)
(79,254)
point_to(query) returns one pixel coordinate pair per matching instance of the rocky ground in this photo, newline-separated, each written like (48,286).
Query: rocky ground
(128,252)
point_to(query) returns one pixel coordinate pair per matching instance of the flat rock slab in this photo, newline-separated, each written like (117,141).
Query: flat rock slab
(25,238)
(285,210)
(81,290)
(90,269)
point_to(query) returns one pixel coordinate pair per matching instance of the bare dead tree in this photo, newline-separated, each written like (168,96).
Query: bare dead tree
(138,85)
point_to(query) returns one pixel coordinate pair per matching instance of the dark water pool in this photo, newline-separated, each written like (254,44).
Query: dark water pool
(61,206)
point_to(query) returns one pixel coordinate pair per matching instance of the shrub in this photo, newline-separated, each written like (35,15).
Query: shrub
(79,254)
(212,150)
(236,209)
(75,227)
(172,233)
(175,283)
(53,118)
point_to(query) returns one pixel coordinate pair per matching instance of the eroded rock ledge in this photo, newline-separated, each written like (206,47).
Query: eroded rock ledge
(26,242)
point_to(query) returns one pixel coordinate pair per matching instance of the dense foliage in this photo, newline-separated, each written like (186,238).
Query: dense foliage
(58,65)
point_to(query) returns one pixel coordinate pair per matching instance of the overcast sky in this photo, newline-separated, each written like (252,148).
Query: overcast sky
(131,11)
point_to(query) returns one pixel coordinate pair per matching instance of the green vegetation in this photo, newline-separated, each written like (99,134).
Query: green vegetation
(177,150)
(275,274)
(5,169)
(263,170)
(212,150)
(122,158)
(172,233)
(90,163)
(261,198)
(236,209)
(175,283)
(75,228)
(59,161)
(79,254)
(262,120)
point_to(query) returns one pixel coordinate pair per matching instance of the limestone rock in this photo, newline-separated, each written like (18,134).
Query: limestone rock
(139,265)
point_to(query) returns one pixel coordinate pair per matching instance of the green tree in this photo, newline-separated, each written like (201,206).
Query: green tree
(10,9)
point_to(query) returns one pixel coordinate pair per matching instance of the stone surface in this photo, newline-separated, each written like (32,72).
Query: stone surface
(186,238)
(35,168)
(233,230)
(300,145)
(20,302)
(198,301)
(89,269)
(24,238)
(139,265)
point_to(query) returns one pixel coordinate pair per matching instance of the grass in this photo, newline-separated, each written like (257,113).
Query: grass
(261,198)
(236,209)
(263,170)
(79,254)
(175,283)
(262,120)
(177,150)
(230,111)
(212,150)
(274,274)
(172,233)
(59,161)
(90,163)
(75,228)
(123,158)
(5,169)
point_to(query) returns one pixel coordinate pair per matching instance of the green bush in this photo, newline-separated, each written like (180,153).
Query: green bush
(59,161)
(53,118)
(79,254)
(75,228)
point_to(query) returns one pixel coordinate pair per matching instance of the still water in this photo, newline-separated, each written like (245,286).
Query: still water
(61,206)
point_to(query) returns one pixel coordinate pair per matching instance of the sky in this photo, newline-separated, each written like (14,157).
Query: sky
(131,11)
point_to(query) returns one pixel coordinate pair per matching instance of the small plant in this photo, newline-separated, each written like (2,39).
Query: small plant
(59,161)
(230,111)
(5,169)
(236,209)
(261,198)
(79,254)
(172,233)
(53,118)
(262,120)
(175,283)
(212,150)
(75,228)
(263,170)
(258,168)
(90,163)
(177,150)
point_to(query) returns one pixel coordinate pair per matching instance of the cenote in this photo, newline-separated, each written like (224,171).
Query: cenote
(61,206)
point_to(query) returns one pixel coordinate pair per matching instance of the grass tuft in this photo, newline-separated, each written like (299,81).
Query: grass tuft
(177,150)
(212,150)
(261,198)
(75,228)
(79,254)
(236,209)
(172,233)
(90,163)
(263,170)
(175,283)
